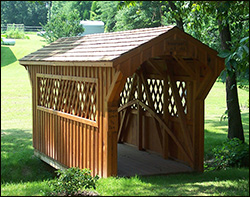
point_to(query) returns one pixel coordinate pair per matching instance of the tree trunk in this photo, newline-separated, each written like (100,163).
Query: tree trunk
(179,21)
(235,129)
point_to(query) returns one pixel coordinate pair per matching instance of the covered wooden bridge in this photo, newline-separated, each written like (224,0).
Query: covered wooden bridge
(144,87)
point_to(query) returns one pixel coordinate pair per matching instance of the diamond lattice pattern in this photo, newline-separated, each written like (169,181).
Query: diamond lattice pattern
(125,92)
(181,86)
(69,96)
(156,89)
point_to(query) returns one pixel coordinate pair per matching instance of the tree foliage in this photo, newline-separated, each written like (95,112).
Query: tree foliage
(235,14)
(23,12)
(106,12)
(63,24)
(83,7)
(142,15)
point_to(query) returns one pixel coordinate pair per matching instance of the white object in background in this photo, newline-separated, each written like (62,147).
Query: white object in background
(8,41)
(92,27)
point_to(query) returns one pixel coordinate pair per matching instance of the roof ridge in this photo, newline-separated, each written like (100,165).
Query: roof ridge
(67,48)
(124,31)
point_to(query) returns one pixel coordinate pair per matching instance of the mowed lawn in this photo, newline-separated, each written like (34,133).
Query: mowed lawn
(25,175)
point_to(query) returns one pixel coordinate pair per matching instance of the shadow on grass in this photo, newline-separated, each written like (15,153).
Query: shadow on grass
(7,56)
(18,163)
(223,125)
(196,183)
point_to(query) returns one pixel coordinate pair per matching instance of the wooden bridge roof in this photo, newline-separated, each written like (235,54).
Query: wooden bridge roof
(95,47)
(124,50)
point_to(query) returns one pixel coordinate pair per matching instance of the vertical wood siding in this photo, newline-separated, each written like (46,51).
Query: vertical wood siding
(70,142)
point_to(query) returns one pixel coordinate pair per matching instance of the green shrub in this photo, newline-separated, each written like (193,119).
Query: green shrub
(72,180)
(232,153)
(15,33)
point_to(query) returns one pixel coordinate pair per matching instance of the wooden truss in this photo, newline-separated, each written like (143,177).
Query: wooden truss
(162,98)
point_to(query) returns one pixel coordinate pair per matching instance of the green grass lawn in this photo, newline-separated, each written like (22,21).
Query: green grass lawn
(215,106)
(25,175)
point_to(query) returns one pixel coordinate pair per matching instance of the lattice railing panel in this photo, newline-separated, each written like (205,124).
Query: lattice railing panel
(156,87)
(156,90)
(125,92)
(76,96)
(181,86)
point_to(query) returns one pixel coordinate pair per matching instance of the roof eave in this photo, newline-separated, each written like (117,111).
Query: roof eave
(102,63)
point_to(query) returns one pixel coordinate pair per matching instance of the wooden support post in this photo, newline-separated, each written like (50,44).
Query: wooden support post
(166,118)
(139,114)
(110,139)
(151,104)
(129,97)
(181,115)
(111,125)
(199,136)
(156,66)
(119,136)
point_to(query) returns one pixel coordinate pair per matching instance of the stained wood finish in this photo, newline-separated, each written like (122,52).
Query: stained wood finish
(63,136)
(179,120)
(144,87)
(133,162)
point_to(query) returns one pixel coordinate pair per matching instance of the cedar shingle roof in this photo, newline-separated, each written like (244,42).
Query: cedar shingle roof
(95,47)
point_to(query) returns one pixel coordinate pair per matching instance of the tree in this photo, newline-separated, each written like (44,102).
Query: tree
(178,18)
(23,12)
(229,17)
(106,12)
(63,24)
(83,7)
(141,15)
(235,128)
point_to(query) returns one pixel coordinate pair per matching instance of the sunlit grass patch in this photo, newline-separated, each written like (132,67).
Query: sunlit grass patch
(35,188)
(229,182)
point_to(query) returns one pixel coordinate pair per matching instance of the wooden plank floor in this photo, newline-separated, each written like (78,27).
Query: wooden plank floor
(131,161)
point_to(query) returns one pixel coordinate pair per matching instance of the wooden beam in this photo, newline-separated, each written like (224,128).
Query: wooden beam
(205,86)
(121,123)
(116,87)
(124,134)
(204,65)
(149,98)
(141,74)
(158,129)
(68,116)
(180,111)
(169,132)
(186,67)
(129,103)
(163,125)
(125,116)
(139,114)
(165,117)
(199,136)
(68,63)
(131,91)
(54,163)
(156,66)
(110,136)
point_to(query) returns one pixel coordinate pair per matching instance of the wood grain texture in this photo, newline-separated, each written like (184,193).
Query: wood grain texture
(144,87)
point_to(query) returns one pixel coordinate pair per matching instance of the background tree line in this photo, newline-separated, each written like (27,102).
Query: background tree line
(23,12)
(222,25)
